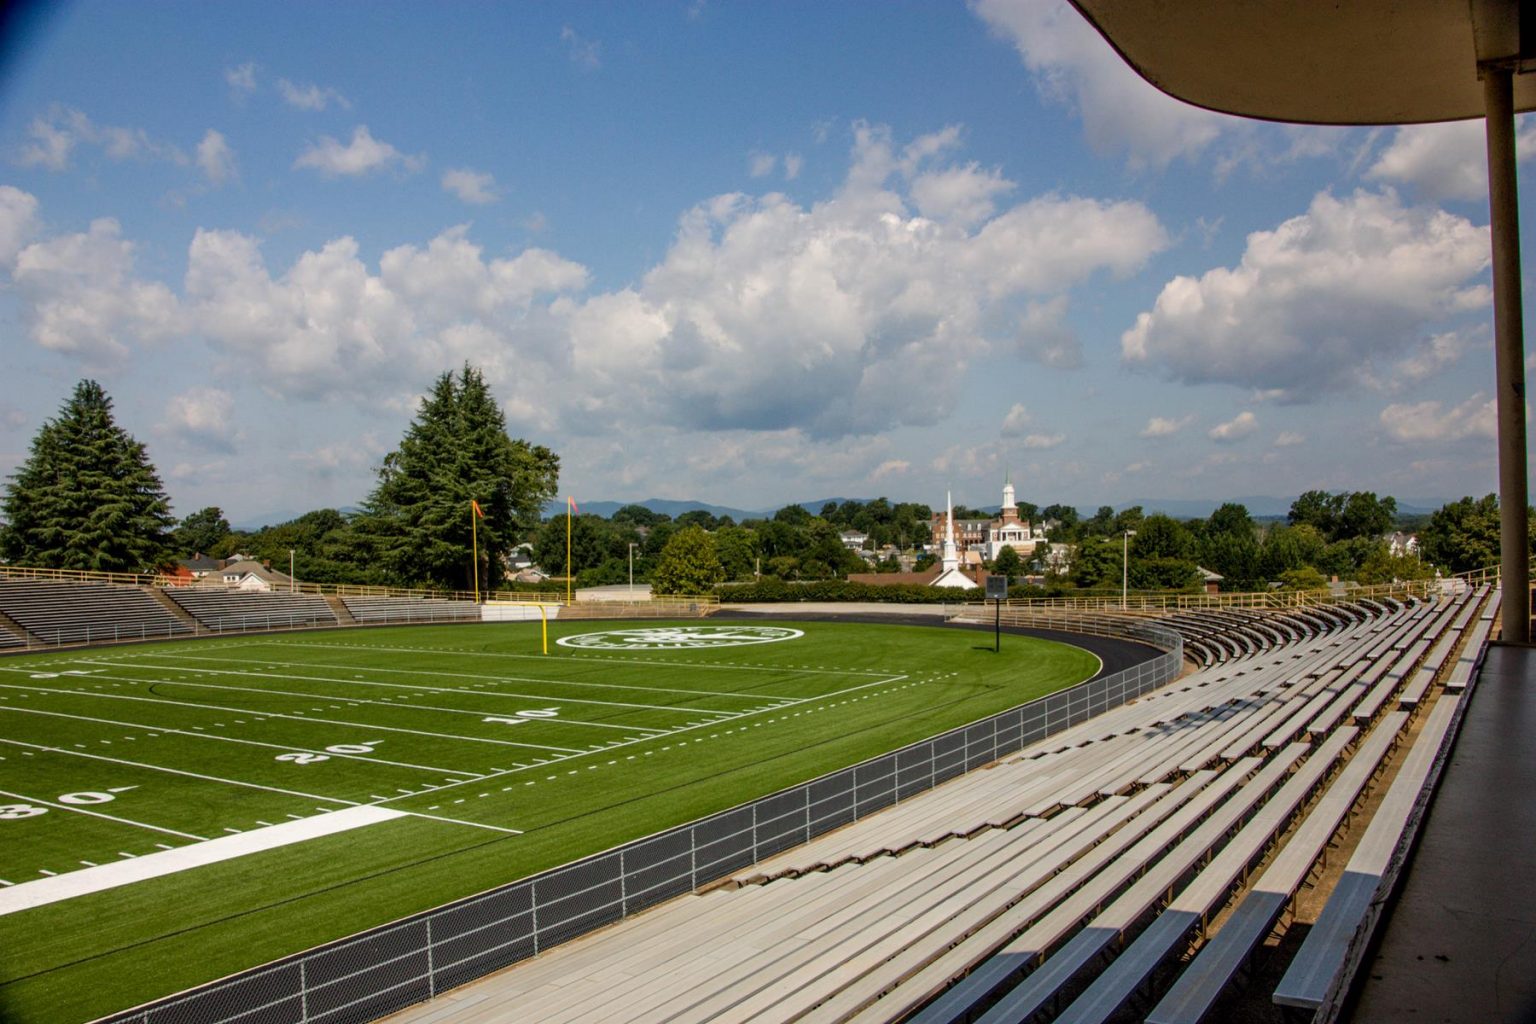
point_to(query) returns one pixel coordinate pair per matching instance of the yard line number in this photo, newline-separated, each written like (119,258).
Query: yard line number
(84,798)
(360,749)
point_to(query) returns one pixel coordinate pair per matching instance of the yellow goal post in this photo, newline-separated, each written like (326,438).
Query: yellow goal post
(521,611)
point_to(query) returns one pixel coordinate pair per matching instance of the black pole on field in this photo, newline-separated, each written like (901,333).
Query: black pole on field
(997,589)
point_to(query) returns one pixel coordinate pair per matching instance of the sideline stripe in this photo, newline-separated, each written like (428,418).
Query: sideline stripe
(42,891)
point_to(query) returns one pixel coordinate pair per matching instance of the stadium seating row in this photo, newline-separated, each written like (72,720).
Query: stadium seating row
(410,609)
(241,610)
(1076,875)
(73,613)
(39,613)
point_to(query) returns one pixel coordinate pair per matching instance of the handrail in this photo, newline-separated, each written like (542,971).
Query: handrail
(1145,602)
(164,581)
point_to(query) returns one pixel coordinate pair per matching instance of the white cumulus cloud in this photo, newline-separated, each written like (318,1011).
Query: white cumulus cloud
(18,221)
(966,195)
(823,324)
(1073,65)
(1431,422)
(1235,429)
(1017,419)
(1315,301)
(310,97)
(475,187)
(1446,161)
(363,155)
(760,165)
(216,159)
(55,136)
(586,54)
(1165,426)
(242,79)
(80,294)
(203,417)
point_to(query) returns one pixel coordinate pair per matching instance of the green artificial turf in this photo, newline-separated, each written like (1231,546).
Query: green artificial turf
(198,739)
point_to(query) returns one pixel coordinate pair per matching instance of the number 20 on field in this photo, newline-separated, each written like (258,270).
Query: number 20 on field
(307,757)
(523,716)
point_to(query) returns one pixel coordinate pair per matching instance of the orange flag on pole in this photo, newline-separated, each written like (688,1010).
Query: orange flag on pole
(476,506)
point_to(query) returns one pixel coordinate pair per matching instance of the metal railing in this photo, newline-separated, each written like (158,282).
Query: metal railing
(385,969)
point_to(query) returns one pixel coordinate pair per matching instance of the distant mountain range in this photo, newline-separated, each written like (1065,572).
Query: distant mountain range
(1259,506)
(670,507)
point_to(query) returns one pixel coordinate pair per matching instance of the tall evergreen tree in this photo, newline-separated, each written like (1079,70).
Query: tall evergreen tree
(456,451)
(87,497)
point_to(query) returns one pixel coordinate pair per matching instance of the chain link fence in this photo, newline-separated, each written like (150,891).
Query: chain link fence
(369,975)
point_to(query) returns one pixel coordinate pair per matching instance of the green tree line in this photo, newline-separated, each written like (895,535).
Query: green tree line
(88,497)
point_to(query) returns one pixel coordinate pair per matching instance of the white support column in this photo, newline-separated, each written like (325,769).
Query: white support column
(1509,352)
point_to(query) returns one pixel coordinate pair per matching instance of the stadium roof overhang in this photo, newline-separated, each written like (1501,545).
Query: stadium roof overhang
(1370,62)
(1319,61)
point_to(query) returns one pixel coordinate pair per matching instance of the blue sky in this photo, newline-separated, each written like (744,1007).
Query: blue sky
(742,253)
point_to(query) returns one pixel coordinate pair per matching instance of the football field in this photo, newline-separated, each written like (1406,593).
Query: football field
(171,813)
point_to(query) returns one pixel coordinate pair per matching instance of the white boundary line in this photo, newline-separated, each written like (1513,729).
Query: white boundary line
(256,785)
(42,891)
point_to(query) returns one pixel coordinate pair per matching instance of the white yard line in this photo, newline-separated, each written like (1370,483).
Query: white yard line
(205,735)
(408,686)
(583,657)
(348,699)
(98,814)
(255,713)
(185,773)
(491,777)
(42,891)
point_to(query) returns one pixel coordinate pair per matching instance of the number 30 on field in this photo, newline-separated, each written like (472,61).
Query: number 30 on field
(15,812)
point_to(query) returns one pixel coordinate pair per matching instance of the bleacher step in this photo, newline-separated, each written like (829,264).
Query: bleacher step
(164,600)
(343,613)
(15,627)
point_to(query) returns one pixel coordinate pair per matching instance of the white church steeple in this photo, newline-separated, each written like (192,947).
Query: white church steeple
(950,559)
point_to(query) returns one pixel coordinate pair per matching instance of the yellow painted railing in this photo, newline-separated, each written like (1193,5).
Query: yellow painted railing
(130,579)
(1144,603)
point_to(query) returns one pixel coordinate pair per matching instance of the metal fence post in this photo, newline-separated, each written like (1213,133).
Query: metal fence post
(431,962)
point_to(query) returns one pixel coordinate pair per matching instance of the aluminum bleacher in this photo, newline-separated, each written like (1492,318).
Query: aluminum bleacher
(77,613)
(1076,878)
(407,610)
(222,610)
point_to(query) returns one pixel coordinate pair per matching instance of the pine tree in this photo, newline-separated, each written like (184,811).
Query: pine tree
(87,497)
(456,450)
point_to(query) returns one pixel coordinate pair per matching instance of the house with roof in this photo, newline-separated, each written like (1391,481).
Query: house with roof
(249,574)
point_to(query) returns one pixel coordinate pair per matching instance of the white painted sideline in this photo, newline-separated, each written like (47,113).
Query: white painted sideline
(26,895)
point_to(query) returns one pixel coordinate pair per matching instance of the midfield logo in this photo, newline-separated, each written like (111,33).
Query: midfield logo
(662,638)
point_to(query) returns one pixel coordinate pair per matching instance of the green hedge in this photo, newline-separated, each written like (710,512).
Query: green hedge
(773,590)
